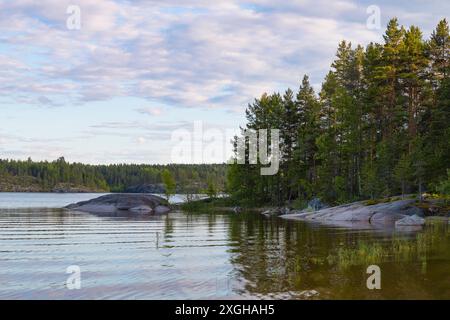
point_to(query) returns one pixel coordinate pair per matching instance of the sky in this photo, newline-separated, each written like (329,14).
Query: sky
(127,81)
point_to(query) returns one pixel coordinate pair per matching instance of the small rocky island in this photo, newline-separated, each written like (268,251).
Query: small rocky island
(121,202)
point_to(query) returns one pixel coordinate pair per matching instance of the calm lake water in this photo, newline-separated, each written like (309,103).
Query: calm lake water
(208,256)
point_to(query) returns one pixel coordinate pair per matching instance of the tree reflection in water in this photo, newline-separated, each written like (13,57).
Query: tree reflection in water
(278,256)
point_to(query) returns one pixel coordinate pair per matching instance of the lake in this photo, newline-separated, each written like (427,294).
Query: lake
(208,256)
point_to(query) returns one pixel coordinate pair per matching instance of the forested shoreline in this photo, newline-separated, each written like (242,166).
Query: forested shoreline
(62,176)
(380,126)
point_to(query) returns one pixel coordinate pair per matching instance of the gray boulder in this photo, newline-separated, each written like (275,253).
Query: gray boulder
(386,217)
(359,214)
(411,211)
(316,204)
(121,202)
(410,221)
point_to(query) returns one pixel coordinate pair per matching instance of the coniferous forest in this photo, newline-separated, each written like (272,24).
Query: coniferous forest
(16,175)
(379,126)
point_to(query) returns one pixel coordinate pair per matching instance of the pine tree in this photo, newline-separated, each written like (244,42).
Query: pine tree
(413,75)
(439,53)
(307,133)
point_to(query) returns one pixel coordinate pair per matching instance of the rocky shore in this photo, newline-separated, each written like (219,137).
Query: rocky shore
(398,213)
(123,203)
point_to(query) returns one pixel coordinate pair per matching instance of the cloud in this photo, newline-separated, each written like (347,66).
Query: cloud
(194,54)
(141,140)
(150,111)
(202,55)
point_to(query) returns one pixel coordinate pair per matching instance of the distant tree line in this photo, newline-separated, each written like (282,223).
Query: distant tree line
(379,126)
(114,177)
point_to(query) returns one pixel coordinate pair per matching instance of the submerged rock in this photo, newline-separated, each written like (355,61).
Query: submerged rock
(134,203)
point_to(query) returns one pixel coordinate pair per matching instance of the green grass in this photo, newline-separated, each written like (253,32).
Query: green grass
(364,253)
(398,249)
